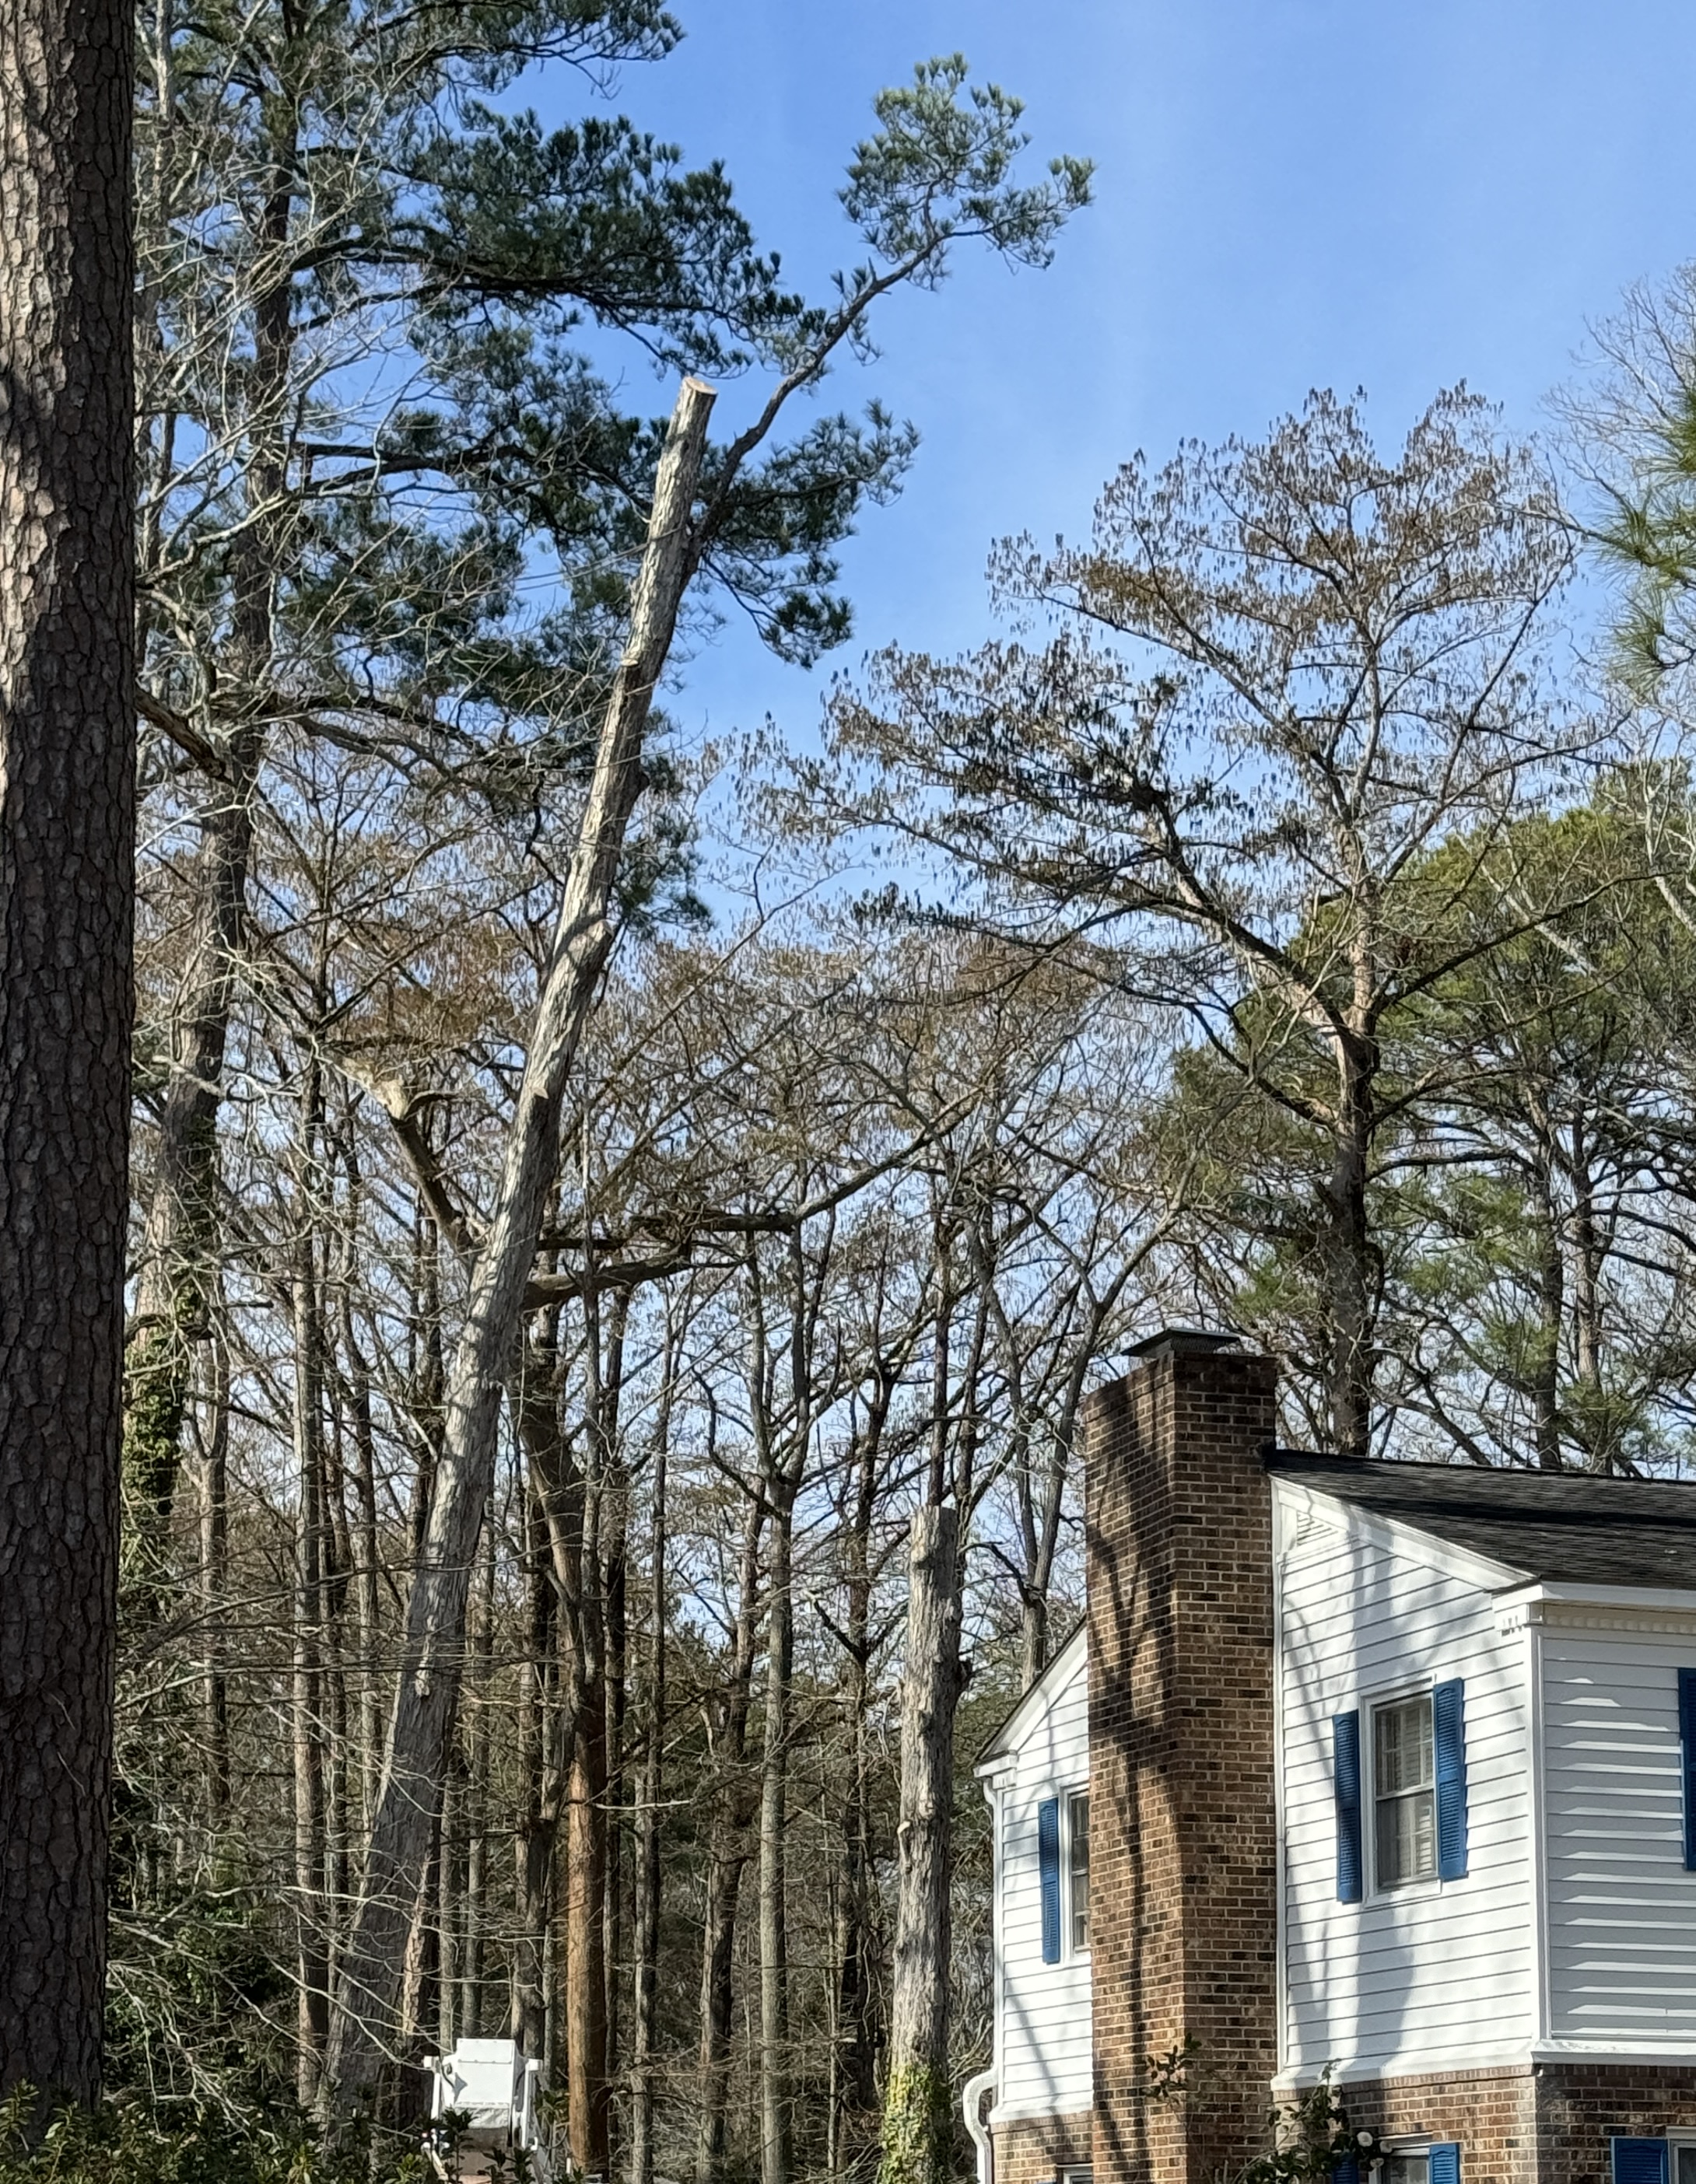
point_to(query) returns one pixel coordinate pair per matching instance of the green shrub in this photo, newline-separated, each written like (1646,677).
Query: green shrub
(127,2145)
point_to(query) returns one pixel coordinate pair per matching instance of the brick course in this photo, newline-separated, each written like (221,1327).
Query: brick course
(1035,2149)
(1544,2123)
(1489,2113)
(1178,1531)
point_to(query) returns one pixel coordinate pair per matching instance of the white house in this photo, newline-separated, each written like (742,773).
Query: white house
(1392,1769)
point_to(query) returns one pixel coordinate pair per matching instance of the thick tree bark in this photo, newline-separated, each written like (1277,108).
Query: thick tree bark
(918,2108)
(67,848)
(433,1638)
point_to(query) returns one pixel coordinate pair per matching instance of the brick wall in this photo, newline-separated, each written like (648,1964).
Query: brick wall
(1035,2149)
(1183,1912)
(1546,2123)
(1490,2113)
(1580,2106)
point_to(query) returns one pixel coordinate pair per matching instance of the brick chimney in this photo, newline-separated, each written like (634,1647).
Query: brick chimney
(1183,1908)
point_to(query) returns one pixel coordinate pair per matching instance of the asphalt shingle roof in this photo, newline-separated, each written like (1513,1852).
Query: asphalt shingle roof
(1563,1527)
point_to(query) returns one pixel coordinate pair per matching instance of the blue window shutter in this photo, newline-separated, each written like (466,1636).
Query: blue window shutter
(1637,2160)
(1347,2170)
(1048,1857)
(1449,1734)
(1445,2159)
(1344,1734)
(1686,1754)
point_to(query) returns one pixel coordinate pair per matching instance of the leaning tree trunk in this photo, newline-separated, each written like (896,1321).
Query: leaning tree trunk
(67,849)
(918,2107)
(433,1636)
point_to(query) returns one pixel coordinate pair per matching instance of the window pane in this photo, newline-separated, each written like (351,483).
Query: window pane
(1407,2168)
(1403,1787)
(1684,2164)
(1078,1820)
(1404,1754)
(1416,1836)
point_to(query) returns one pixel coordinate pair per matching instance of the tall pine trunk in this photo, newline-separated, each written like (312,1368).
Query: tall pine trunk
(67,858)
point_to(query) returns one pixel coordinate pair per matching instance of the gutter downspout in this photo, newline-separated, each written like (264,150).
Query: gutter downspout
(971,2107)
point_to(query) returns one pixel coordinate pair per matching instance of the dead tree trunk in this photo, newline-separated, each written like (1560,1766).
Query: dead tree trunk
(918,2108)
(433,1637)
(67,851)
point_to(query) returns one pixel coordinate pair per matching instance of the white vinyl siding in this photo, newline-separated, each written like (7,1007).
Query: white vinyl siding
(1621,1908)
(1042,2011)
(1432,1970)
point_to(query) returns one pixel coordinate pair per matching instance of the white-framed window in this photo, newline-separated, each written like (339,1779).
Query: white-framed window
(1404,1818)
(1417,2159)
(1077,1894)
(1681,2149)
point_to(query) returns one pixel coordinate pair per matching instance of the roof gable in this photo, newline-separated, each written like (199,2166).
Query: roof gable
(1035,1702)
(1565,1527)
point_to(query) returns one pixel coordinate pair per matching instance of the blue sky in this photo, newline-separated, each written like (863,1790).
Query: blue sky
(1289,193)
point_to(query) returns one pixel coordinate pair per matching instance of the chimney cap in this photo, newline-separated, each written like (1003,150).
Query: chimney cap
(1184,1342)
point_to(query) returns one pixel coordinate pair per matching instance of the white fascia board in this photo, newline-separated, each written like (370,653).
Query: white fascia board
(1668,1599)
(1421,2063)
(1298,1495)
(1003,1746)
(1034,2111)
(1679,2054)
